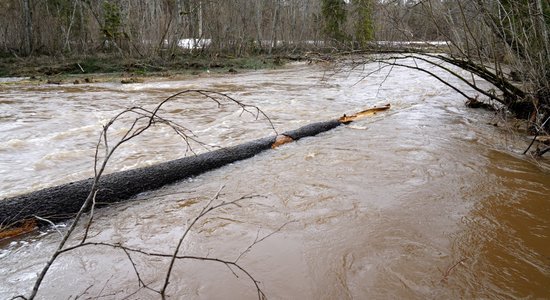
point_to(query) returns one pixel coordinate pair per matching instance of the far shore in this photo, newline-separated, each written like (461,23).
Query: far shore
(107,67)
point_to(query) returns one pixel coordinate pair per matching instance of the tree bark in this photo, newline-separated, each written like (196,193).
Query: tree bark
(274,25)
(28,27)
(64,201)
(541,25)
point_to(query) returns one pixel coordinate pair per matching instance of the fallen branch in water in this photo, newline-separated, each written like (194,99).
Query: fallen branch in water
(140,119)
(64,202)
(98,193)
(450,269)
(539,130)
(209,208)
(528,104)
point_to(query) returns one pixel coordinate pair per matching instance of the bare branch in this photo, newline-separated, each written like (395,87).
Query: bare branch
(257,241)
(135,129)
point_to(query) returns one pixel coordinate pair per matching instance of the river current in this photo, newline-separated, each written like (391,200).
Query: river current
(427,200)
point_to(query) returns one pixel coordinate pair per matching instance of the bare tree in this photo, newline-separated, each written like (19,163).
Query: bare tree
(146,28)
(28,26)
(502,42)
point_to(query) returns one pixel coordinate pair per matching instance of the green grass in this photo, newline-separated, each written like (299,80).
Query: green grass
(51,66)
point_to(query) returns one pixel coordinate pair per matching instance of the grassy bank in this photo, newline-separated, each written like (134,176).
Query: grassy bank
(184,64)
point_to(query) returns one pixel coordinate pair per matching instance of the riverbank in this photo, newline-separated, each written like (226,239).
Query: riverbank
(59,69)
(83,68)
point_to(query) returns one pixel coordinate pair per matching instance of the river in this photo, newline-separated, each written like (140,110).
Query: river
(427,200)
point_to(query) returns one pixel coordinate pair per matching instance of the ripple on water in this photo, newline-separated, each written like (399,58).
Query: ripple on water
(13,144)
(383,208)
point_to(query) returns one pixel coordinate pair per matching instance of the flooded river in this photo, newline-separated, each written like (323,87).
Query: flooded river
(426,200)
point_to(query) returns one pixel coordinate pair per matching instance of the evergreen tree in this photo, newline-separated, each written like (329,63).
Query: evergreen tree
(364,25)
(334,15)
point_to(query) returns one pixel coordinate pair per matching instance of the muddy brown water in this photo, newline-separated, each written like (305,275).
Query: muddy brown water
(427,200)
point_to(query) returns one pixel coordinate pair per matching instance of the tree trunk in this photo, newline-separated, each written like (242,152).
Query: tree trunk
(274,26)
(64,201)
(542,30)
(199,17)
(28,27)
(259,10)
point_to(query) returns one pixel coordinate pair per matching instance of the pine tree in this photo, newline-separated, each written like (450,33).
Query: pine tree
(364,25)
(334,15)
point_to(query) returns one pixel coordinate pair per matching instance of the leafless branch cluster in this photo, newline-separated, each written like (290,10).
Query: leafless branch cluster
(505,43)
(508,95)
(142,119)
(151,28)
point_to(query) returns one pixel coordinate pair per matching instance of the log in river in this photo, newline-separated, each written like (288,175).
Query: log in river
(64,201)
(430,200)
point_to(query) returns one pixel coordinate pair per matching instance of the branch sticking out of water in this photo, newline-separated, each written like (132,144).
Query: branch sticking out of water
(141,119)
(448,271)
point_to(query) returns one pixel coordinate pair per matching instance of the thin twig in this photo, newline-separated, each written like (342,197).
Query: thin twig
(450,269)
(204,211)
(134,130)
(51,224)
(257,241)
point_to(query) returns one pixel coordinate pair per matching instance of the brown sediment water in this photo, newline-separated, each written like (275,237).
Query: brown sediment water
(426,200)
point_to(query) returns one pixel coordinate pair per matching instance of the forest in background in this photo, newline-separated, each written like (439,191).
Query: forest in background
(505,42)
(143,28)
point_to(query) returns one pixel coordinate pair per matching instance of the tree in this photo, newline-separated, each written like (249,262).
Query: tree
(112,23)
(364,24)
(28,27)
(504,42)
(334,15)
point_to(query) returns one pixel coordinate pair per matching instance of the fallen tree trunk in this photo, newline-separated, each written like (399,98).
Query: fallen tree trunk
(64,201)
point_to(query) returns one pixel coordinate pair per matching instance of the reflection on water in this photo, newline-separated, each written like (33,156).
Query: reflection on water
(422,201)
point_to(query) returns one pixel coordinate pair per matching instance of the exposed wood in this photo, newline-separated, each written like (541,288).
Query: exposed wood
(281,140)
(345,119)
(64,201)
(22,228)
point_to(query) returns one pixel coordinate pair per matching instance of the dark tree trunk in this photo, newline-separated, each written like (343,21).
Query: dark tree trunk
(28,27)
(64,201)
